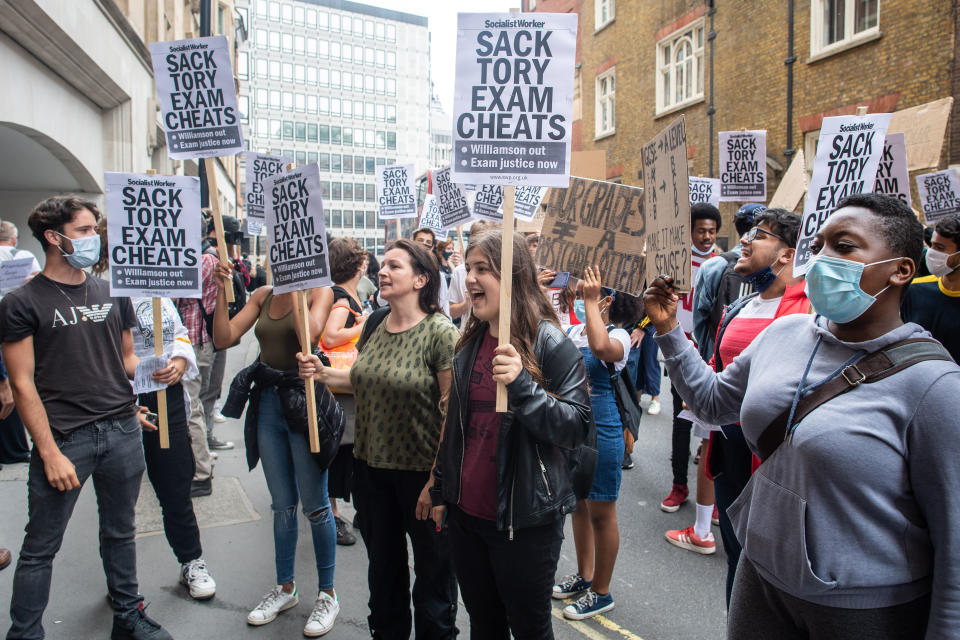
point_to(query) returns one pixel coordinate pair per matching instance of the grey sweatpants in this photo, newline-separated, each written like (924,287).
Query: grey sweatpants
(760,611)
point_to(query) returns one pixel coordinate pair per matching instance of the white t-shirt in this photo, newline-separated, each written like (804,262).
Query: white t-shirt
(578,333)
(760,308)
(12,253)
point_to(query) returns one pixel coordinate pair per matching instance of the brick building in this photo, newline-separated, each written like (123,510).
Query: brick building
(640,64)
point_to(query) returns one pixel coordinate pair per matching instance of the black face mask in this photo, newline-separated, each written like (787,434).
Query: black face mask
(763,279)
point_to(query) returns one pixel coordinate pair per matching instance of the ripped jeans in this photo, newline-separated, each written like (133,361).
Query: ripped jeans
(292,476)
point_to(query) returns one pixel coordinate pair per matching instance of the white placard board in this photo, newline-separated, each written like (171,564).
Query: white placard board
(893,178)
(705,190)
(743,166)
(451,199)
(939,195)
(260,166)
(430,217)
(396,192)
(14,272)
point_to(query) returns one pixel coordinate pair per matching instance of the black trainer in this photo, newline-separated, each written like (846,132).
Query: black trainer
(345,536)
(200,488)
(138,626)
(627,461)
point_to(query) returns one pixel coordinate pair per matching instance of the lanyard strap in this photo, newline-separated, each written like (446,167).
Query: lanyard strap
(803,391)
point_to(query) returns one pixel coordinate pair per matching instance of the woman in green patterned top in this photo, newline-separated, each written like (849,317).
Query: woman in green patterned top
(400,381)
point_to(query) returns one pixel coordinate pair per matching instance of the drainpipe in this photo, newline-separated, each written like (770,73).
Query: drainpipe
(711,110)
(791,59)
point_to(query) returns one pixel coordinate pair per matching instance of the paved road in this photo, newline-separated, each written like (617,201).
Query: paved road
(661,592)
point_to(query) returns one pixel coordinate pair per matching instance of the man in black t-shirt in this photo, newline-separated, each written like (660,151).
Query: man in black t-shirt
(69,355)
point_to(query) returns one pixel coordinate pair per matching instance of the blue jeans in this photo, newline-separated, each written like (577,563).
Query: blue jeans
(293,475)
(112,452)
(649,374)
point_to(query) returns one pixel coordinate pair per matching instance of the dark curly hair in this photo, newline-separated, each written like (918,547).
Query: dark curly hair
(346,259)
(54,213)
(949,228)
(783,223)
(626,308)
(895,221)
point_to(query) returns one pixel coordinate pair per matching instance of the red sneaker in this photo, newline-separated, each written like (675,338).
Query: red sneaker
(687,539)
(715,518)
(678,495)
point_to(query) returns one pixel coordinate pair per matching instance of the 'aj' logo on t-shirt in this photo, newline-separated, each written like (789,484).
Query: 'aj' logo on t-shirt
(95,312)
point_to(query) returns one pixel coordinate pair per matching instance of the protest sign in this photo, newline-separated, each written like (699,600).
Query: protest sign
(939,194)
(556,300)
(430,217)
(583,164)
(743,166)
(848,154)
(893,178)
(793,185)
(154,235)
(259,167)
(14,272)
(527,202)
(488,202)
(198,97)
(296,234)
(451,199)
(513,98)
(924,127)
(596,223)
(667,205)
(396,193)
(705,190)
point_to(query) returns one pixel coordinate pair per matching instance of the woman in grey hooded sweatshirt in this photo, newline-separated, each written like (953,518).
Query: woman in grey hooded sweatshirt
(851,525)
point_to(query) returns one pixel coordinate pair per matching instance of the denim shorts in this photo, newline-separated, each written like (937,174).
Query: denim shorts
(606,480)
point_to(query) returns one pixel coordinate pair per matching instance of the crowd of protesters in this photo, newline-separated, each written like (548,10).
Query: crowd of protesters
(821,404)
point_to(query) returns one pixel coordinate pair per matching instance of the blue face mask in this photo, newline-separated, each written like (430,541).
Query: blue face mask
(86,251)
(833,288)
(580,310)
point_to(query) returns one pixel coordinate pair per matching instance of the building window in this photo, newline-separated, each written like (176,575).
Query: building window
(391,33)
(311,132)
(287,43)
(347,135)
(391,139)
(262,40)
(358,219)
(287,101)
(276,129)
(605,13)
(263,128)
(275,99)
(312,105)
(311,157)
(262,98)
(347,53)
(287,14)
(370,191)
(334,50)
(680,67)
(347,109)
(335,22)
(288,130)
(336,217)
(299,45)
(325,133)
(348,191)
(243,103)
(275,41)
(324,104)
(324,49)
(301,158)
(312,47)
(336,192)
(274,69)
(370,162)
(298,15)
(311,19)
(836,24)
(287,72)
(324,77)
(391,113)
(243,70)
(347,163)
(335,135)
(335,162)
(300,102)
(275,11)
(606,103)
(261,8)
(311,75)
(368,28)
(391,60)
(299,73)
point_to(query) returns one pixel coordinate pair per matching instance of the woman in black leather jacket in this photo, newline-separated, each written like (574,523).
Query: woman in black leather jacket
(504,476)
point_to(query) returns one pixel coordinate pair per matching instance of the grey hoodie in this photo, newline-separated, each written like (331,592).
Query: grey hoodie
(861,507)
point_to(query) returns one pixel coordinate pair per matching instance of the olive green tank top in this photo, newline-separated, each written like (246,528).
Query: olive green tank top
(278,340)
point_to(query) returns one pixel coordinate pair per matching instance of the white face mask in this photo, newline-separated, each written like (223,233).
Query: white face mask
(937,262)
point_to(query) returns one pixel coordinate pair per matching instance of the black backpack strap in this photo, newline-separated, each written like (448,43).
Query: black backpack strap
(871,368)
(371,325)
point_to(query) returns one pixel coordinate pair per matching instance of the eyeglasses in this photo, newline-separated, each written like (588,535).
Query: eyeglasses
(751,235)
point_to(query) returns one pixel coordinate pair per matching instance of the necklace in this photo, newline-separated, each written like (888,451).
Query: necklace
(83,316)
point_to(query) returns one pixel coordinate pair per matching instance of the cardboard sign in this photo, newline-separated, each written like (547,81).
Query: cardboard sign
(451,199)
(527,202)
(396,193)
(430,217)
(924,127)
(296,234)
(259,167)
(893,178)
(488,202)
(793,185)
(667,205)
(848,154)
(14,272)
(596,223)
(705,190)
(939,195)
(743,166)
(154,235)
(513,98)
(198,97)
(556,296)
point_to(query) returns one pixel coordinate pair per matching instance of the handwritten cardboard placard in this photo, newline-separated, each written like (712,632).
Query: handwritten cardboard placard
(743,166)
(793,185)
(595,223)
(667,205)
(848,154)
(513,98)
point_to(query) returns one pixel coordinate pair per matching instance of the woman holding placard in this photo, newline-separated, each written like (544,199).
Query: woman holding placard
(293,475)
(504,477)
(400,381)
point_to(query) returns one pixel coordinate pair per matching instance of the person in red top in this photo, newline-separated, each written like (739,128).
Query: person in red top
(767,262)
(704,225)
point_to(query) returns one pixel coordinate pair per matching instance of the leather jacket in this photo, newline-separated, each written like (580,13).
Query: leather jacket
(537,434)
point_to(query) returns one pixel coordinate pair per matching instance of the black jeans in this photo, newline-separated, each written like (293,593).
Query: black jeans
(680,453)
(760,611)
(171,472)
(506,585)
(730,464)
(111,451)
(386,501)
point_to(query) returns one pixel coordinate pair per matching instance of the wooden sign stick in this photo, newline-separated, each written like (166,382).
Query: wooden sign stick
(162,424)
(302,308)
(506,284)
(460,240)
(211,176)
(861,111)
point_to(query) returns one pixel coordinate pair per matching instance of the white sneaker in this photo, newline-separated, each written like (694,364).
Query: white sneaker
(323,615)
(271,605)
(219,417)
(654,408)
(197,579)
